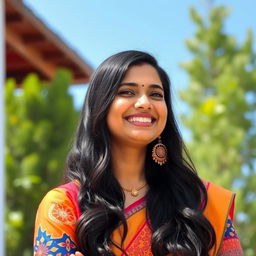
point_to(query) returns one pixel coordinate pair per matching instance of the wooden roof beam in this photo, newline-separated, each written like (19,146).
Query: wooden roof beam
(23,10)
(33,38)
(13,18)
(48,69)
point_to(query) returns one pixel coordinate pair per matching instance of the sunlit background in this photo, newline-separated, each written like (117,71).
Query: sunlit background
(209,54)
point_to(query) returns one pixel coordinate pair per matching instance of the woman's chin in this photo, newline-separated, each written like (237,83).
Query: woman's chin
(141,139)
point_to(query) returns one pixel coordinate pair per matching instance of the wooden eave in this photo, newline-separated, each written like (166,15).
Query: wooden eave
(32,47)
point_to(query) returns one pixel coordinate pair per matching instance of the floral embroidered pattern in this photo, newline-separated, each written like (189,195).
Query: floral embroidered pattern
(42,249)
(230,230)
(46,245)
(61,214)
(142,243)
(231,247)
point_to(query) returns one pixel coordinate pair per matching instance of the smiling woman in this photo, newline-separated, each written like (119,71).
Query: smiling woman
(131,187)
(138,113)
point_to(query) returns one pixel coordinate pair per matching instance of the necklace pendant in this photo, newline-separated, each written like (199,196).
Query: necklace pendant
(134,192)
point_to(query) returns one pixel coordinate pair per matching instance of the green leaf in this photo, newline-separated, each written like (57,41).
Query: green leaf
(221,95)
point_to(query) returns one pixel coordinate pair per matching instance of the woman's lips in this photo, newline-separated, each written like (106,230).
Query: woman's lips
(141,120)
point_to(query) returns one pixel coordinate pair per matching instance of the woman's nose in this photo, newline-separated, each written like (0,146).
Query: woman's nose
(143,102)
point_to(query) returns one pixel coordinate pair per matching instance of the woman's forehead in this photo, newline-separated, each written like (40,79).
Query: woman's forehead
(142,74)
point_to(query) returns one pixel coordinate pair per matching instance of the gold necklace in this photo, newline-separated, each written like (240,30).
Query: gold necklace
(134,191)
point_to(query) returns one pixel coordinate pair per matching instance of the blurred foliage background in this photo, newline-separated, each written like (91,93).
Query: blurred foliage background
(221,118)
(40,122)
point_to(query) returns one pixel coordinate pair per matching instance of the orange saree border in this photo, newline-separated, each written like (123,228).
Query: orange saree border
(219,206)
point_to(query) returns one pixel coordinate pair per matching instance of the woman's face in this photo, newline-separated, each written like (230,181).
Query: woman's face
(138,114)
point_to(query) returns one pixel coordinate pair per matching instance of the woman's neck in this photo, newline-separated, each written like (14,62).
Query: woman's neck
(128,165)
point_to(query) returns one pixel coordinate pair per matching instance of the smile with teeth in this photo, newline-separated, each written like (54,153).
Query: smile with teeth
(141,121)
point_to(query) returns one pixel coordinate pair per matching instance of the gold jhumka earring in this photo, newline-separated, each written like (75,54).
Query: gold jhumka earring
(159,152)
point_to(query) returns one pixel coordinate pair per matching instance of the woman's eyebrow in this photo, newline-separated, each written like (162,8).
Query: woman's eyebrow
(156,86)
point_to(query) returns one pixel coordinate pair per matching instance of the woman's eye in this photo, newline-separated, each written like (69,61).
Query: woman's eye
(126,92)
(157,95)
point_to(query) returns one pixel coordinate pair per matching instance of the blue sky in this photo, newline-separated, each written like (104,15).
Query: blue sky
(97,29)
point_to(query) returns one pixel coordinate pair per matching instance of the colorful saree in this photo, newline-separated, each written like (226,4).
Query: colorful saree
(58,212)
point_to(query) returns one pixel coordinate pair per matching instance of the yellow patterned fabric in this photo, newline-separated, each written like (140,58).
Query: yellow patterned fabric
(59,211)
(55,223)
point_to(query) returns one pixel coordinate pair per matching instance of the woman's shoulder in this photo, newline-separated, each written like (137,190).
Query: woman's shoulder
(62,197)
(221,198)
(216,190)
(56,220)
(216,186)
(218,194)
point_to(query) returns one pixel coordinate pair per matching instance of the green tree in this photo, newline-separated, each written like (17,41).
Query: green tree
(221,98)
(40,121)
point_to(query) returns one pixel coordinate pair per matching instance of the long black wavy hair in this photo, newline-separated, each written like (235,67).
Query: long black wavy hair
(176,196)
